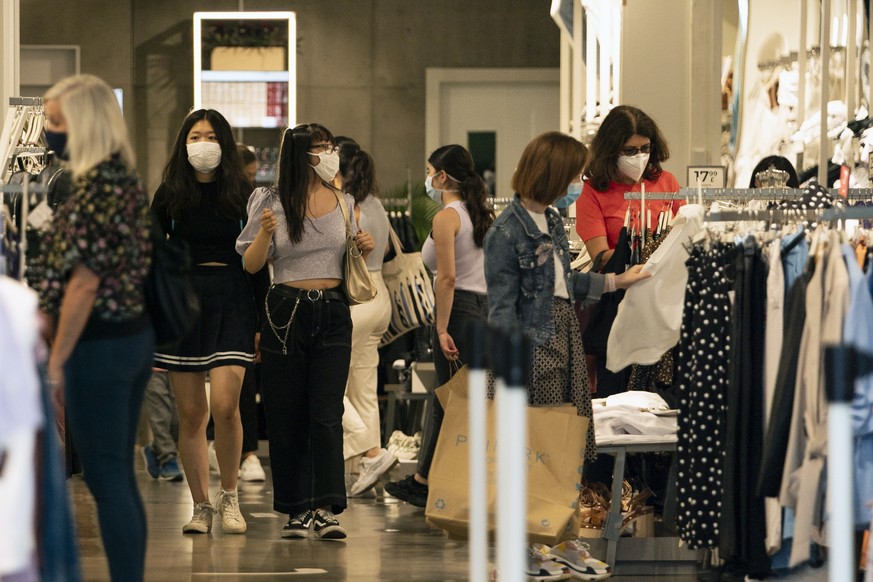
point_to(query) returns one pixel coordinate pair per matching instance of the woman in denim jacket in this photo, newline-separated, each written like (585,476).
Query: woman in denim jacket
(530,283)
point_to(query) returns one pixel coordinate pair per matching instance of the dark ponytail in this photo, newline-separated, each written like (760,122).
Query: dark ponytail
(457,162)
(357,169)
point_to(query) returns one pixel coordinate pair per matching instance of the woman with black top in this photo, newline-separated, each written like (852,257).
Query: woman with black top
(202,201)
(306,341)
(98,255)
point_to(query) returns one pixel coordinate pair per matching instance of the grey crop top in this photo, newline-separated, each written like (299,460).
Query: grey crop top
(319,255)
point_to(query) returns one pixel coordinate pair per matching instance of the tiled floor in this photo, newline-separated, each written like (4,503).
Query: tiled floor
(388,541)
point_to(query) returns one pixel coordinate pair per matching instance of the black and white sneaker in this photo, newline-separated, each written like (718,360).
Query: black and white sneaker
(298,525)
(326,527)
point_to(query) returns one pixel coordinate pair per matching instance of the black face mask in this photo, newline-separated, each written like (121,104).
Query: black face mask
(57,142)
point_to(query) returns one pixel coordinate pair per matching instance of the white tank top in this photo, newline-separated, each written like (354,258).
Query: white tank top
(469,258)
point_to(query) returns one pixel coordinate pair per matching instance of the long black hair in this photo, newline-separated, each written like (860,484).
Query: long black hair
(294,175)
(619,125)
(457,162)
(357,169)
(179,181)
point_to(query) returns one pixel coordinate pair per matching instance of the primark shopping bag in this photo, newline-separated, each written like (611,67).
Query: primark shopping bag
(556,444)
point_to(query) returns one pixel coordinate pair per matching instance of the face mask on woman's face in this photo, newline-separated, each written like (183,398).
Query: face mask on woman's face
(328,165)
(433,193)
(204,156)
(574,190)
(633,167)
(56,141)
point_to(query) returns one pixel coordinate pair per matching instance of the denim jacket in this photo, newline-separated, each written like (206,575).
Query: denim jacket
(520,272)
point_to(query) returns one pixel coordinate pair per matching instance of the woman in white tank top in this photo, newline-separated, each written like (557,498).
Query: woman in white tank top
(453,252)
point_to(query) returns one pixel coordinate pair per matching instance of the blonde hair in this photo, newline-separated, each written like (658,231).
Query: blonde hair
(95,124)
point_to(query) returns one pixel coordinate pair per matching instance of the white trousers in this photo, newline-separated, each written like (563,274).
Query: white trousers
(361,427)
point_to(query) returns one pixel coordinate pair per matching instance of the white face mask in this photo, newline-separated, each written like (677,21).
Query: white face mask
(633,166)
(328,165)
(204,156)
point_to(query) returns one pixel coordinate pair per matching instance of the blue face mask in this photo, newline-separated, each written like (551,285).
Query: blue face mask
(56,141)
(435,195)
(573,192)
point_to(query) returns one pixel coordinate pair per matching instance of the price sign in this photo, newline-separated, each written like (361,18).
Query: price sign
(707,176)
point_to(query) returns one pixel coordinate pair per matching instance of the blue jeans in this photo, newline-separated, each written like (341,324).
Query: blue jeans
(105,382)
(466,308)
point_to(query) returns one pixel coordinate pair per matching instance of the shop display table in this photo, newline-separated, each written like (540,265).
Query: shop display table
(652,549)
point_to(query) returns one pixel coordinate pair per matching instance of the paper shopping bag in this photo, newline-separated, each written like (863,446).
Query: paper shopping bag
(556,452)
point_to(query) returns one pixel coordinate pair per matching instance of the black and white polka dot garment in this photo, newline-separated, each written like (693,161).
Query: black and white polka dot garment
(702,364)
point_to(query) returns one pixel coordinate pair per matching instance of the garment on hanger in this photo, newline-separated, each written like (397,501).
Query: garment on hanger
(702,379)
(648,319)
(827,301)
(742,525)
(858,332)
(773,334)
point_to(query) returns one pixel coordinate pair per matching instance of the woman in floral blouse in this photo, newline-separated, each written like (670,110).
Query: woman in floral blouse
(99,255)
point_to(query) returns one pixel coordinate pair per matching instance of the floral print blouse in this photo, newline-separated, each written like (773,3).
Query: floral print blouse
(104,225)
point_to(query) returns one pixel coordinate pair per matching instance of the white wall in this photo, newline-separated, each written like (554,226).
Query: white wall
(517,104)
(677,86)
(9,25)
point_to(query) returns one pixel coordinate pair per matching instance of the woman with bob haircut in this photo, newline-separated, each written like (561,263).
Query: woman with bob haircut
(627,152)
(530,284)
(98,258)
(202,201)
(306,341)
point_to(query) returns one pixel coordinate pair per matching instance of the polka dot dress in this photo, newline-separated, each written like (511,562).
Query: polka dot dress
(702,374)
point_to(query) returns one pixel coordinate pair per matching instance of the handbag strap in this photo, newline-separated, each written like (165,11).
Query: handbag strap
(342,204)
(395,241)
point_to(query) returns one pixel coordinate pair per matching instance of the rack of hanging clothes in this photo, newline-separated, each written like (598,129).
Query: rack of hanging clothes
(399,212)
(764,292)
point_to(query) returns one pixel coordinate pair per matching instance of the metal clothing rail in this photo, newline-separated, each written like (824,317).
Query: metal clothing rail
(25,101)
(780,214)
(743,194)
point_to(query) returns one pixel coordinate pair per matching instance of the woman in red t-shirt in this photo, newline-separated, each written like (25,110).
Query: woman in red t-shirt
(627,151)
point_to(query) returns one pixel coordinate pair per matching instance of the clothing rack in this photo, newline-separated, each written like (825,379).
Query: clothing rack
(711,194)
(781,215)
(25,189)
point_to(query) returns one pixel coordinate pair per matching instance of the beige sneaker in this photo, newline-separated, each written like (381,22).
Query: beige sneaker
(201,521)
(232,520)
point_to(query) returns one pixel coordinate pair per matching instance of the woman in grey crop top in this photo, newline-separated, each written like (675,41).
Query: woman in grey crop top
(362,435)
(453,252)
(306,340)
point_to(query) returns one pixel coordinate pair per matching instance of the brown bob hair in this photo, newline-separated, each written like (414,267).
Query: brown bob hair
(547,166)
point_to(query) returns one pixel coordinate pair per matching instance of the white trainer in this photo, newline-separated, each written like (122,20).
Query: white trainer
(201,521)
(251,469)
(232,520)
(371,470)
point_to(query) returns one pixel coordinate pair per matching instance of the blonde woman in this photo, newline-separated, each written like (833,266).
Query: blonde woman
(99,255)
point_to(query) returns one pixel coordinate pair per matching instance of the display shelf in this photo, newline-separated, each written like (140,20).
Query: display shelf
(245,76)
(245,67)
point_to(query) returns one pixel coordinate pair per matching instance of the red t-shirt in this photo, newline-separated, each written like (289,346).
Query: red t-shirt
(602,213)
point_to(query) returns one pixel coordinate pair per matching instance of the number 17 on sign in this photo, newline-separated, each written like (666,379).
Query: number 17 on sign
(706,177)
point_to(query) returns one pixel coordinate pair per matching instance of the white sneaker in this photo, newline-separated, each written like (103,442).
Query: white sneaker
(201,521)
(213,458)
(232,520)
(251,469)
(372,469)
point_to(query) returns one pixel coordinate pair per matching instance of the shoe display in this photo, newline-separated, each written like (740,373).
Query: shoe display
(201,521)
(298,525)
(408,490)
(213,457)
(371,470)
(170,471)
(576,556)
(232,520)
(151,462)
(251,469)
(542,566)
(325,526)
